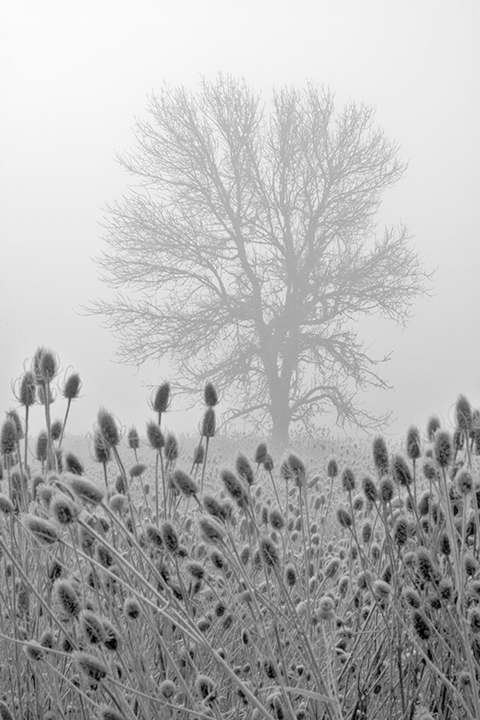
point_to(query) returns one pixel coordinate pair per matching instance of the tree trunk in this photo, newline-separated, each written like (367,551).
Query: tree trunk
(280,414)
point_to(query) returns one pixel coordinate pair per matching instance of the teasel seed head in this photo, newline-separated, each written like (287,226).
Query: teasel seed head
(260,453)
(101,450)
(326,608)
(199,455)
(160,400)
(358,503)
(400,471)
(348,480)
(233,485)
(211,530)
(133,438)
(463,414)
(432,426)
(413,443)
(470,565)
(131,608)
(332,567)
(44,365)
(56,429)
(170,449)
(90,666)
(185,483)
(443,448)
(42,529)
(420,624)
(210,395)
(400,531)
(92,627)
(6,505)
(8,437)
(28,389)
(167,690)
(205,688)
(380,455)
(332,468)
(86,490)
(63,510)
(269,552)
(425,565)
(411,597)
(67,598)
(244,469)
(386,490)
(297,467)
(107,428)
(277,521)
(464,482)
(369,489)
(207,428)
(381,589)
(344,518)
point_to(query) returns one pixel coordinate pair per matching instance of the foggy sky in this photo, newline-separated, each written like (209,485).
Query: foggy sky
(75,76)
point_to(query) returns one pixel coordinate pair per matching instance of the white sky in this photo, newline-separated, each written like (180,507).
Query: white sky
(74,75)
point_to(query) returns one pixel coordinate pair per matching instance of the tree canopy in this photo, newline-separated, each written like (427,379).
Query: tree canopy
(248,249)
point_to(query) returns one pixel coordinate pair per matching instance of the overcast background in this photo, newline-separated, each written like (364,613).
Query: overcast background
(75,75)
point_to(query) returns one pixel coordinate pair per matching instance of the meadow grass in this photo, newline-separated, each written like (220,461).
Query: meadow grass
(171,578)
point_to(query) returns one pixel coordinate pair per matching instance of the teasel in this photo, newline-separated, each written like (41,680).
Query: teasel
(380,455)
(210,395)
(443,448)
(108,713)
(133,440)
(42,529)
(298,469)
(90,666)
(244,469)
(234,486)
(160,400)
(269,553)
(348,480)
(102,453)
(86,490)
(432,426)
(344,518)
(92,627)
(67,598)
(260,453)
(169,536)
(211,530)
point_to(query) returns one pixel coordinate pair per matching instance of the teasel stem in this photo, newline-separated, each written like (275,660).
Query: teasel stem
(64,422)
(51,456)
(207,439)
(121,467)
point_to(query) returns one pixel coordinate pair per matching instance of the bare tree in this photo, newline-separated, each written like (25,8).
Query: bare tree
(248,249)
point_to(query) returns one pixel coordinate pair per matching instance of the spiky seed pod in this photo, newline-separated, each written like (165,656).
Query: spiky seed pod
(268,463)
(432,426)
(245,555)
(6,505)
(154,535)
(207,428)
(260,453)
(109,713)
(199,455)
(137,470)
(464,482)
(92,627)
(381,589)
(366,533)
(42,529)
(358,503)
(326,608)
(425,565)
(73,464)
(269,552)
(184,482)
(386,490)
(424,503)
(369,489)
(470,565)
(171,447)
(332,468)
(400,531)
(155,435)
(86,489)
(131,608)
(111,639)
(90,666)
(27,392)
(420,624)
(297,466)
(8,437)
(56,429)
(101,450)
(217,559)
(444,544)
(62,509)
(104,556)
(195,569)
(118,503)
(169,536)
(348,480)
(210,395)
(411,597)
(474,620)
(133,439)
(277,521)
(380,455)
(443,448)
(108,428)
(400,471)
(344,518)
(210,529)
(463,414)
(212,506)
(33,650)
(205,688)
(46,639)
(233,485)
(41,446)
(13,415)
(244,469)
(167,690)
(413,443)
(44,365)
(67,598)
(264,515)
(161,398)
(332,567)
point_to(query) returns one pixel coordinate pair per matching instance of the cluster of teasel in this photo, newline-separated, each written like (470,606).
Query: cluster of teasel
(237,591)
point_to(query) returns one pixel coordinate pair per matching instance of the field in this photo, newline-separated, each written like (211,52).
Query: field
(176,578)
